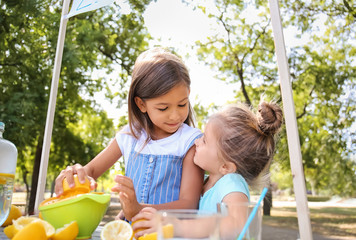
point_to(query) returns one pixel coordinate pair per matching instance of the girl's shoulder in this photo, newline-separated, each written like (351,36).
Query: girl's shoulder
(187,135)
(234,178)
(187,130)
(124,137)
(233,182)
(126,132)
(178,143)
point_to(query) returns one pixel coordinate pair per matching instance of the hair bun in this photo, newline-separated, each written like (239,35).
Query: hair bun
(270,117)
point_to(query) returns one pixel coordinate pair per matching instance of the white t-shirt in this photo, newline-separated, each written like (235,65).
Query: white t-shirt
(177,144)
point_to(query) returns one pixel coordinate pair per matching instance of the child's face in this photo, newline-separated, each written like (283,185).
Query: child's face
(206,155)
(168,111)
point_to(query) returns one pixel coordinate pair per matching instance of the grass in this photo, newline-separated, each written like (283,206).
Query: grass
(327,221)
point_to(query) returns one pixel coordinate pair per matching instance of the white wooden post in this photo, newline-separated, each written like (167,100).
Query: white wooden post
(51,107)
(291,125)
(78,7)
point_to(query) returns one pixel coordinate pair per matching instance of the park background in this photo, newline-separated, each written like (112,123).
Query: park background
(229,49)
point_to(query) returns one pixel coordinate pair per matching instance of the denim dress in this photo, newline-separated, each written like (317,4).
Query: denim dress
(157,176)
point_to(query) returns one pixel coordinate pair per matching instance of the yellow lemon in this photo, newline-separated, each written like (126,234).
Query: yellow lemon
(10,231)
(68,232)
(118,229)
(14,214)
(22,222)
(140,229)
(2,180)
(34,230)
(79,188)
(168,232)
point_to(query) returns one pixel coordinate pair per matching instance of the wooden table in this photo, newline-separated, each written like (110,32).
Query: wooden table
(95,236)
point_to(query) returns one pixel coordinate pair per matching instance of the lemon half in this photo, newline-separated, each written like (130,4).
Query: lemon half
(23,221)
(118,229)
(14,214)
(9,231)
(79,188)
(34,230)
(68,232)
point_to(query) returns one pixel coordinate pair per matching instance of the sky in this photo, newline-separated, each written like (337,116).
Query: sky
(178,26)
(172,24)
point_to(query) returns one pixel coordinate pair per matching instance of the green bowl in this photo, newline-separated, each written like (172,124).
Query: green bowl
(87,209)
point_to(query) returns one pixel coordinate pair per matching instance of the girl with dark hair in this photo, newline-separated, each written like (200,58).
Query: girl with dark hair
(158,142)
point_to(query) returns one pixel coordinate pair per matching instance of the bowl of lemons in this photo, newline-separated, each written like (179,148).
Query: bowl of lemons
(76,204)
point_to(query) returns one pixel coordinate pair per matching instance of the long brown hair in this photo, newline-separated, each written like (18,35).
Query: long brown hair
(155,73)
(247,138)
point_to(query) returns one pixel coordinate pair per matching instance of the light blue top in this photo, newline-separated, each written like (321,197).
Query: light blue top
(229,183)
(156,169)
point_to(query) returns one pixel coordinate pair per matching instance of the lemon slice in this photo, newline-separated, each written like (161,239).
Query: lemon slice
(14,214)
(117,230)
(23,221)
(35,230)
(168,232)
(68,232)
(9,231)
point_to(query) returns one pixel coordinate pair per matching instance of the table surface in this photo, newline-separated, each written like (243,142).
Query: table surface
(95,236)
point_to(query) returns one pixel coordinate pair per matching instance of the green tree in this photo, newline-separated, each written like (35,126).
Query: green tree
(102,39)
(322,73)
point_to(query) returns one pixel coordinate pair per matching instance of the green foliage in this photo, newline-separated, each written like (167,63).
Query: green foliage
(318,198)
(323,75)
(99,40)
(201,115)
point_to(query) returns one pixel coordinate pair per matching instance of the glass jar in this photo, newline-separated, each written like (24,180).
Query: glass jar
(8,159)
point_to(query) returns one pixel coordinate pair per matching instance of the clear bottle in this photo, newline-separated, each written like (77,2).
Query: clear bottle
(8,159)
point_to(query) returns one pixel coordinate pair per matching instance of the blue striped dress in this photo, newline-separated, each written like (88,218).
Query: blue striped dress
(156,168)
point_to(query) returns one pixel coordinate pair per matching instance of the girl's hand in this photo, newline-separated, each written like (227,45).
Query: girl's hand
(127,196)
(145,222)
(68,174)
(120,216)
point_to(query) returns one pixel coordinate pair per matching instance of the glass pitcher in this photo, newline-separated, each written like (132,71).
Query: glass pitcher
(8,159)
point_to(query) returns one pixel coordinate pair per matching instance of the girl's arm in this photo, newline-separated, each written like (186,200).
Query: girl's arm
(191,184)
(95,168)
(232,224)
(190,189)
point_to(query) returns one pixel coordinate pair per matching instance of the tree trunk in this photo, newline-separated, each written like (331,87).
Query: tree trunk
(267,202)
(313,190)
(35,174)
(53,184)
(24,178)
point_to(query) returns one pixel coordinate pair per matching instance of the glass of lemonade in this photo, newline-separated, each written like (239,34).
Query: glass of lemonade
(6,188)
(187,224)
(231,228)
